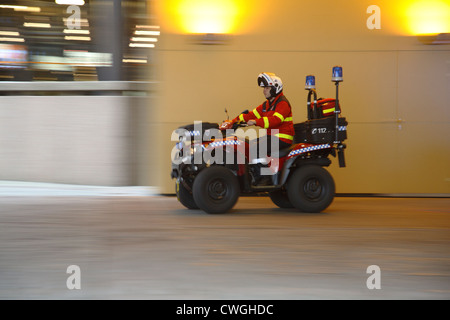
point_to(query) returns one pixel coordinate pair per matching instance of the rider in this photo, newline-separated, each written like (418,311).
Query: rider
(274,114)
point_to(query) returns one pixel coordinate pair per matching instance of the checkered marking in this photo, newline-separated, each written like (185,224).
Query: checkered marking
(308,149)
(342,128)
(225,143)
(193,133)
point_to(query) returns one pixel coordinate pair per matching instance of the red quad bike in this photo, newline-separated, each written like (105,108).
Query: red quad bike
(298,180)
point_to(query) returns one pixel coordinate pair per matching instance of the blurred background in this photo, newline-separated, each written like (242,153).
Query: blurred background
(91,90)
(76,40)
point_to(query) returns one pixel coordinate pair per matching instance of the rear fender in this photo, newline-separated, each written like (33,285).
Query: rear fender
(296,158)
(304,148)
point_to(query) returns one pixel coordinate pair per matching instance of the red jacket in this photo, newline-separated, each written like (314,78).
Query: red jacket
(274,115)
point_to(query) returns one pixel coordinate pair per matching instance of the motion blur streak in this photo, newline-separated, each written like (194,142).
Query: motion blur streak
(40,43)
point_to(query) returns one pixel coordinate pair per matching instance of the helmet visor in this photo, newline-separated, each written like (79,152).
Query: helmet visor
(264,80)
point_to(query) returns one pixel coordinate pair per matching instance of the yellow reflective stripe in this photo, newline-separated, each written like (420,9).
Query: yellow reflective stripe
(266,123)
(279,115)
(241,117)
(284,136)
(283,119)
(256,114)
(328,110)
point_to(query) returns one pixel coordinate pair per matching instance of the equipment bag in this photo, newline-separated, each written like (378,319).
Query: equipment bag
(325,107)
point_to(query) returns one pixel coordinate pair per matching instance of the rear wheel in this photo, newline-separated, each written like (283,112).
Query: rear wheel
(216,189)
(280,198)
(311,188)
(184,196)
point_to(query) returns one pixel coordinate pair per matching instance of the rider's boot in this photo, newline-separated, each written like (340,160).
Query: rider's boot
(259,178)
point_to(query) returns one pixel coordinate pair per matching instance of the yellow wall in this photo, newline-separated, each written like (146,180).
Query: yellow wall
(395,94)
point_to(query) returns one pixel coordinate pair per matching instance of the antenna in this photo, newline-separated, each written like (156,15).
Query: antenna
(336,78)
(228,116)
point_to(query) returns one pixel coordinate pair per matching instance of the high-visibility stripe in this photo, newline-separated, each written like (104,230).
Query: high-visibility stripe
(279,115)
(328,110)
(284,136)
(255,112)
(241,117)
(266,123)
(283,119)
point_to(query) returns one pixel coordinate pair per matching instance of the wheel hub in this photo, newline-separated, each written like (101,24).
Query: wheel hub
(217,189)
(313,188)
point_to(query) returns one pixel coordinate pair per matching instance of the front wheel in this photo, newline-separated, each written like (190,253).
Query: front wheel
(216,189)
(311,188)
(184,196)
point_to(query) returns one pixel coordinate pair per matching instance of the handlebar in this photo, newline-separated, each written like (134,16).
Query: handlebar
(239,124)
(227,125)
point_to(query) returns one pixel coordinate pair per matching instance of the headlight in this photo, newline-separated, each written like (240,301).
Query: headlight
(179,145)
(195,149)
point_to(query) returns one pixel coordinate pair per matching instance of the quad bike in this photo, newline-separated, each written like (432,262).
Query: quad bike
(297,177)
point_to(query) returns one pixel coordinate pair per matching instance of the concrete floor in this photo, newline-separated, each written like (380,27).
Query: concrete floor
(150,247)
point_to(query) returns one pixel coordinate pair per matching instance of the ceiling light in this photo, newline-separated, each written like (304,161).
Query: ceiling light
(76,31)
(20,8)
(143,26)
(9,33)
(77,38)
(144,39)
(142,45)
(13,39)
(134,60)
(36,25)
(70,2)
(146,33)
(28,9)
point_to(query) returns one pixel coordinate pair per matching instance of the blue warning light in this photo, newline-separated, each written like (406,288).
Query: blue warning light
(310,82)
(337,74)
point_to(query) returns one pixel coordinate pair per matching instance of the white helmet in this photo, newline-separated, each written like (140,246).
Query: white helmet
(267,79)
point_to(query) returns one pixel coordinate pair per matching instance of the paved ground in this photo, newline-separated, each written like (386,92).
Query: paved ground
(150,247)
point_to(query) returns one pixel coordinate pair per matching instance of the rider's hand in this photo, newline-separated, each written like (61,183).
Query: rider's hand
(251,122)
(227,124)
